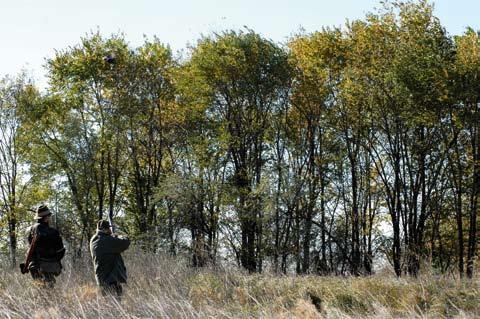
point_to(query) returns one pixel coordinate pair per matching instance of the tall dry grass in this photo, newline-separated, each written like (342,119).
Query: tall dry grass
(161,287)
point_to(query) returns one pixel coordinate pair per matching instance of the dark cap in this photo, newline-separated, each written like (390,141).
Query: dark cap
(103,224)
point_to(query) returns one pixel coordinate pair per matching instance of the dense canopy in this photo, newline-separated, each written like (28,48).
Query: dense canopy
(342,151)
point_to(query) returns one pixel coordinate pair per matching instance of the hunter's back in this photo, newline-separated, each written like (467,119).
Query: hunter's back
(108,263)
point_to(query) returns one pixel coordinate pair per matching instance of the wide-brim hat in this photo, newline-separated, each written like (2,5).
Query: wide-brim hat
(42,211)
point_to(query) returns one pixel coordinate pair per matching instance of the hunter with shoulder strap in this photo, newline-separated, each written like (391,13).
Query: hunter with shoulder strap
(46,250)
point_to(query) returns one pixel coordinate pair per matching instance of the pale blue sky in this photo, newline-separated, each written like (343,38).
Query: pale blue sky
(30,30)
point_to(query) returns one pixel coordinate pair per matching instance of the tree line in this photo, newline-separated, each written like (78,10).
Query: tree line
(341,150)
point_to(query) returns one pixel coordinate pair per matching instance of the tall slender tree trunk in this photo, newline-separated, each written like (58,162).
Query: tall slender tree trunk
(395,215)
(171,230)
(457,176)
(306,242)
(12,230)
(298,235)
(460,240)
(472,233)
(258,204)
(356,259)
(276,249)
(323,235)
(12,214)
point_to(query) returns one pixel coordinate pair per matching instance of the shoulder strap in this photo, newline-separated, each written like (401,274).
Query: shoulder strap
(31,250)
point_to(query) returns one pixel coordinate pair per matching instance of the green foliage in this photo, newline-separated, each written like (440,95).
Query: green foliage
(296,157)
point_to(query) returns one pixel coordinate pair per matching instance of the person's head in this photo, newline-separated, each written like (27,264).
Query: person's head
(104,226)
(43,214)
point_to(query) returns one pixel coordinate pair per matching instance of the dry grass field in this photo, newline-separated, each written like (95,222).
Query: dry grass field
(166,288)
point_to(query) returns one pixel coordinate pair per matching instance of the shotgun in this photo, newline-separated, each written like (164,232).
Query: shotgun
(110,221)
(24,267)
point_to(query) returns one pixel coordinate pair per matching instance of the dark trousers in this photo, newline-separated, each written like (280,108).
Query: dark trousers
(112,289)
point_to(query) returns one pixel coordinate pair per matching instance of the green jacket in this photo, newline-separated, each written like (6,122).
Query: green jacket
(107,261)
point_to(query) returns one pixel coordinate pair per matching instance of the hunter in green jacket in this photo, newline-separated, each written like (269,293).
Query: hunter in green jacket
(106,249)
